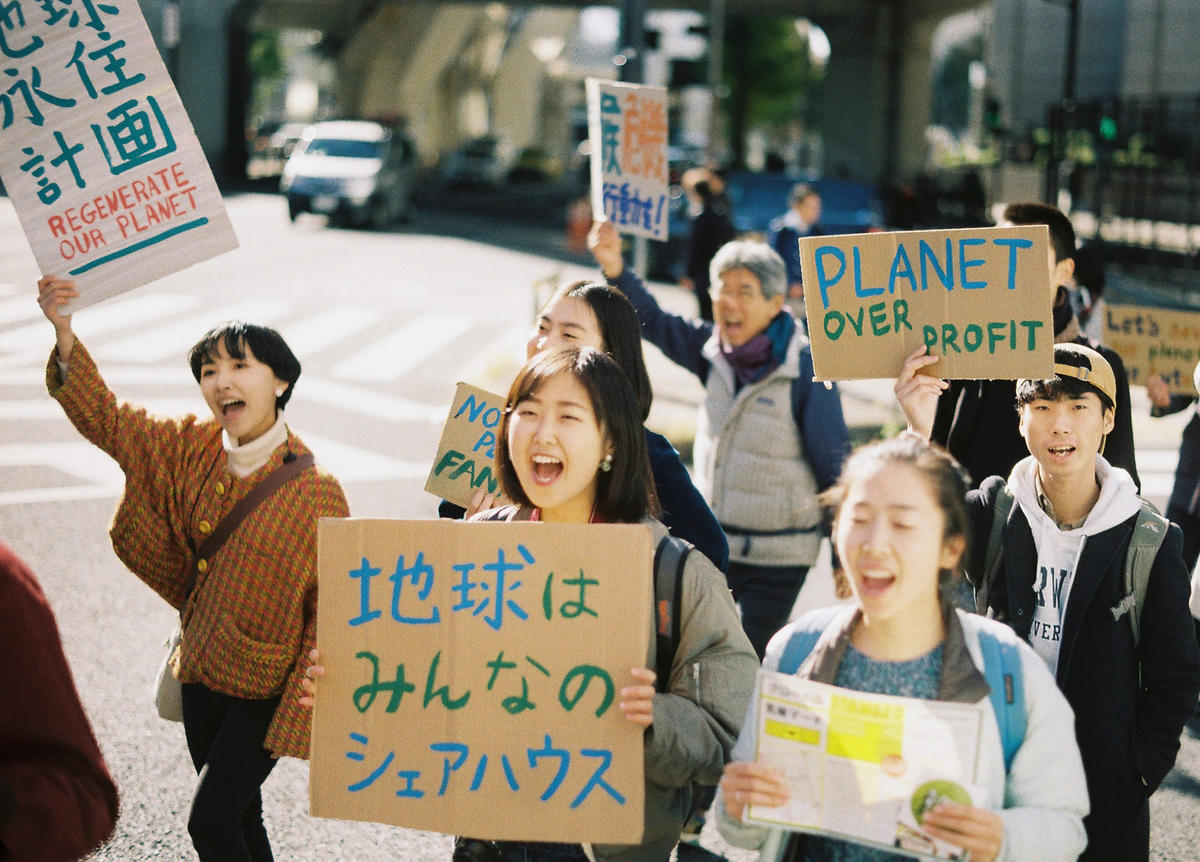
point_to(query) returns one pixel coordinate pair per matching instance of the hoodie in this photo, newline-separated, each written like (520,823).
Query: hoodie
(1058,550)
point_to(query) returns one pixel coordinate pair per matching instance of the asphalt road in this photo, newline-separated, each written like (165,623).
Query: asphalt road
(385,325)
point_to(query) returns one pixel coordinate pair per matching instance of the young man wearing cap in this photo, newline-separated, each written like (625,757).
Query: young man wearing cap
(1060,585)
(975,419)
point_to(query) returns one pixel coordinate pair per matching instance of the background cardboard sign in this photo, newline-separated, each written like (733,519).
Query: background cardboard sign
(1155,341)
(979,298)
(465,461)
(97,153)
(467,677)
(627,133)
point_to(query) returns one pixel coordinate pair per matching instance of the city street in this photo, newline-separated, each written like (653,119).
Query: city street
(385,325)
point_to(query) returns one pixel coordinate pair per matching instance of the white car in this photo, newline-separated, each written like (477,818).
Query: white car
(351,170)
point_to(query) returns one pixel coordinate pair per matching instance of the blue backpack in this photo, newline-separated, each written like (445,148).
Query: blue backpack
(1001,669)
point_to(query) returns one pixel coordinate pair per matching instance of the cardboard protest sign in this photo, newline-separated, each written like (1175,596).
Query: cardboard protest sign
(1155,341)
(97,152)
(627,132)
(472,674)
(979,298)
(465,454)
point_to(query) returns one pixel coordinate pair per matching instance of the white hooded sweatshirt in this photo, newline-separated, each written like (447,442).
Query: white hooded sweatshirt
(1058,550)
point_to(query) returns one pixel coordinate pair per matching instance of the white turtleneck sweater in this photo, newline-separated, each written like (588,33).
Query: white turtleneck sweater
(1058,550)
(244,460)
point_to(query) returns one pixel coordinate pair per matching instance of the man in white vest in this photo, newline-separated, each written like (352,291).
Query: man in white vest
(768,438)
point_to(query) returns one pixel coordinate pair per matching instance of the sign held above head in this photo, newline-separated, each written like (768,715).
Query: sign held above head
(979,298)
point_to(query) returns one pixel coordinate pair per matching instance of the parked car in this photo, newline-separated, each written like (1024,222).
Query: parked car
(535,164)
(481,161)
(352,170)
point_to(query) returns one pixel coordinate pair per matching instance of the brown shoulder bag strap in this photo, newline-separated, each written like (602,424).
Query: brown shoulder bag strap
(279,477)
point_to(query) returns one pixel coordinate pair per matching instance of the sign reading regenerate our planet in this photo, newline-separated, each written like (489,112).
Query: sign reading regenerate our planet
(978,298)
(97,152)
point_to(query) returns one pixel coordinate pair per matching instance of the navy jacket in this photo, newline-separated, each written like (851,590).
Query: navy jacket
(1128,729)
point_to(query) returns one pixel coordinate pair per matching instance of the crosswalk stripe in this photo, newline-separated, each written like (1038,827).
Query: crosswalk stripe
(355,464)
(166,374)
(33,342)
(1149,460)
(174,339)
(391,357)
(18,308)
(103,478)
(327,327)
(366,402)
(343,396)
(80,460)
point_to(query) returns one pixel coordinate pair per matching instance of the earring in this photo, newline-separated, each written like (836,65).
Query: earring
(279,392)
(606,464)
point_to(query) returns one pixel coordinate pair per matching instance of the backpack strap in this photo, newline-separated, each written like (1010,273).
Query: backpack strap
(670,557)
(276,479)
(995,547)
(1002,670)
(1148,533)
(805,634)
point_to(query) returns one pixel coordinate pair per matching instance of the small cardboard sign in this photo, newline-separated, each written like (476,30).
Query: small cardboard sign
(1153,341)
(979,298)
(97,152)
(472,676)
(627,133)
(465,462)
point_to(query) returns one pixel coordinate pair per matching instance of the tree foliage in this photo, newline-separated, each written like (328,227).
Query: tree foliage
(770,80)
(266,56)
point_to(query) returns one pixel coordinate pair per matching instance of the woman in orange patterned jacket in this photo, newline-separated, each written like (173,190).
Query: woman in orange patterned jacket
(249,613)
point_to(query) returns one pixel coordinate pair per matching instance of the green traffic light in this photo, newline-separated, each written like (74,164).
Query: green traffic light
(1108,128)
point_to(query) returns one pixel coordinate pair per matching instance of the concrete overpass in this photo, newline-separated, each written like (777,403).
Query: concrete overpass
(431,61)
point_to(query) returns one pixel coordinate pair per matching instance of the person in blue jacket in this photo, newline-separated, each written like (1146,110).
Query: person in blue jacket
(592,314)
(768,438)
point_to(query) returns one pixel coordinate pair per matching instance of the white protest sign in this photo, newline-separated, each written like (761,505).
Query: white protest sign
(627,131)
(97,152)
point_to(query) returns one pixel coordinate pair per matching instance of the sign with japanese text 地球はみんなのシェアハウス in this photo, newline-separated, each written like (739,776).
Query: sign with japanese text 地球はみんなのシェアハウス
(97,153)
(627,135)
(978,298)
(473,673)
(465,460)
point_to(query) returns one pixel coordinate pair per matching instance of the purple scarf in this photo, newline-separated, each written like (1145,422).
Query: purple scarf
(763,353)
